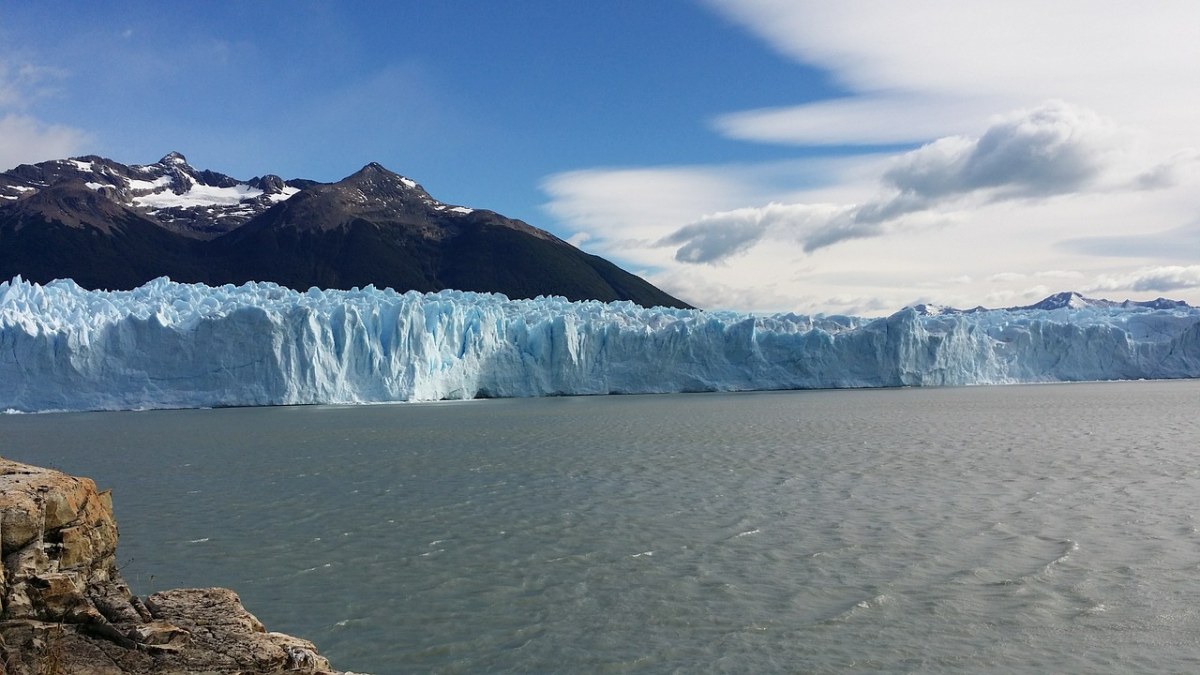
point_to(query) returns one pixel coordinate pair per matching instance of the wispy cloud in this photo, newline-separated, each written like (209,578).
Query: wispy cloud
(1050,150)
(721,235)
(22,84)
(914,68)
(872,119)
(624,212)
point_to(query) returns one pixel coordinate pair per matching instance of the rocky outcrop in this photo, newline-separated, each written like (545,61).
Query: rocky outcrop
(67,610)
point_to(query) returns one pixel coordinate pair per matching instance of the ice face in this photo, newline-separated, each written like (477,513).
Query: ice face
(184,345)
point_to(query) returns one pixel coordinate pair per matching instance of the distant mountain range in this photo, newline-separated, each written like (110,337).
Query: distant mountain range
(1064,300)
(108,225)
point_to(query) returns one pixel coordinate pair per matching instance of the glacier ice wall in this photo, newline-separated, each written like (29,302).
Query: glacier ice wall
(188,345)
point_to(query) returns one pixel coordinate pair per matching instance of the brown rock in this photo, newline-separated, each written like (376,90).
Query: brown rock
(160,634)
(217,621)
(57,594)
(66,607)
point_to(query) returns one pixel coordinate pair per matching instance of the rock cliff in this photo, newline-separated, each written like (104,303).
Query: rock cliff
(67,610)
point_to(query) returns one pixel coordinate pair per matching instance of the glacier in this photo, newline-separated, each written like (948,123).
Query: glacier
(172,345)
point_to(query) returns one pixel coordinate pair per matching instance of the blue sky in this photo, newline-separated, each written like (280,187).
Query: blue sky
(761,155)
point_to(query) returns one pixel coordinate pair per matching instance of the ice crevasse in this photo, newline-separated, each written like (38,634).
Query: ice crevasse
(167,345)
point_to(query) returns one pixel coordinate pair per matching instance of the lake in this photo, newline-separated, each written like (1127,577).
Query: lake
(1020,528)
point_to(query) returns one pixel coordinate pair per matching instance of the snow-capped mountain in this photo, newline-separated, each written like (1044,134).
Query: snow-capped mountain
(1072,300)
(1063,300)
(198,203)
(174,345)
(111,226)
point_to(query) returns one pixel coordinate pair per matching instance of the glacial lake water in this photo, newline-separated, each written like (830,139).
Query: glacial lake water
(994,529)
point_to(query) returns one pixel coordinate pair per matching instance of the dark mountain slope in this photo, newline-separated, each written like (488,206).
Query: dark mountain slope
(378,227)
(488,253)
(107,225)
(70,230)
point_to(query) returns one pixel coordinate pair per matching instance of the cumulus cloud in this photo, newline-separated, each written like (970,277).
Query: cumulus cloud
(1053,149)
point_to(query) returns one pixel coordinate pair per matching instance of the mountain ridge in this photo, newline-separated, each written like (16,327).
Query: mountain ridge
(1061,300)
(110,225)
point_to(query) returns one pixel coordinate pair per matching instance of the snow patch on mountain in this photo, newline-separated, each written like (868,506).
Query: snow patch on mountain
(178,196)
(199,195)
(139,187)
(180,345)
(285,193)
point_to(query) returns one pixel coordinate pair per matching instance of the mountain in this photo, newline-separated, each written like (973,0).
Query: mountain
(174,345)
(1072,300)
(1064,300)
(108,225)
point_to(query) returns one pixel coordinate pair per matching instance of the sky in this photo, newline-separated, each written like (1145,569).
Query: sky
(848,157)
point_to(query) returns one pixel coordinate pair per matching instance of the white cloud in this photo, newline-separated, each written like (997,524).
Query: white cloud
(1005,277)
(579,239)
(715,237)
(1094,176)
(1059,274)
(1179,167)
(998,298)
(638,201)
(879,119)
(627,212)
(25,140)
(23,84)
(1179,243)
(1053,149)
(1036,292)
(1153,279)
(964,208)
(945,61)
